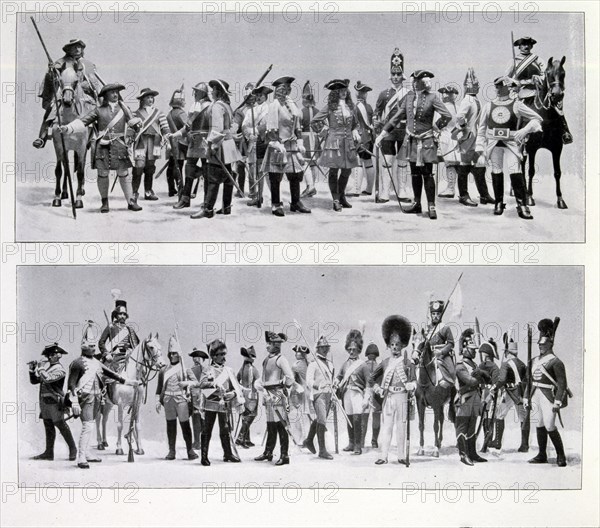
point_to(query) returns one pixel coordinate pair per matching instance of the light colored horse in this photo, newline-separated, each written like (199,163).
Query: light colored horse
(142,363)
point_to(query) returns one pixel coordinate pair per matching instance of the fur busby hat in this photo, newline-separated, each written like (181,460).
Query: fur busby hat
(354,336)
(490,348)
(272,337)
(397,62)
(301,348)
(399,325)
(109,88)
(174,347)
(466,340)
(53,349)
(248,352)
(547,329)
(307,92)
(524,40)
(216,345)
(323,343)
(198,353)
(372,349)
(75,42)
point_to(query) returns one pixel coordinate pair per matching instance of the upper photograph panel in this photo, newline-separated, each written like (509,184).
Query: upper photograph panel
(321,126)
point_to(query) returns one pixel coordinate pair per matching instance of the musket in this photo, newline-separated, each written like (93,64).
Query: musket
(512,39)
(529,374)
(335,431)
(262,78)
(377,175)
(407,453)
(490,432)
(65,156)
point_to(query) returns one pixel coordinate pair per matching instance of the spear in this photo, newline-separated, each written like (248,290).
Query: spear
(262,78)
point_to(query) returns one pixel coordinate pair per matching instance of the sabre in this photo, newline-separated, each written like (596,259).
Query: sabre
(228,174)
(389,171)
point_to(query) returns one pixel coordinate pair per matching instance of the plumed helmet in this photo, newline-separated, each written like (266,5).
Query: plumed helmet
(354,336)
(88,338)
(174,347)
(396,324)
(323,343)
(202,88)
(466,340)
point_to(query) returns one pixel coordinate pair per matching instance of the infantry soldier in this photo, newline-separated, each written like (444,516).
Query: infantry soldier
(372,353)
(441,341)
(465,130)
(500,137)
(277,378)
(240,140)
(511,384)
(468,400)
(254,128)
(109,147)
(487,353)
(248,376)
(364,117)
(285,154)
(393,381)
(387,104)
(147,142)
(172,395)
(300,400)
(196,410)
(221,391)
(85,385)
(352,385)
(448,146)
(177,118)
(196,131)
(88,82)
(309,111)
(319,378)
(50,375)
(418,108)
(222,151)
(550,393)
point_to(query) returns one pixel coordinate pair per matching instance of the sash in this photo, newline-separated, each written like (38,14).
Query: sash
(515,370)
(116,118)
(357,363)
(147,124)
(170,373)
(219,380)
(541,363)
(363,113)
(118,338)
(391,369)
(524,64)
(88,375)
(393,100)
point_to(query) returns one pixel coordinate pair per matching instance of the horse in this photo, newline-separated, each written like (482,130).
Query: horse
(72,104)
(548,103)
(428,394)
(142,363)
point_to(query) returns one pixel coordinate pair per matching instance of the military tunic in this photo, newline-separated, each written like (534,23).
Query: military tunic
(171,395)
(522,70)
(512,381)
(549,388)
(247,377)
(51,380)
(319,377)
(339,149)
(277,377)
(284,128)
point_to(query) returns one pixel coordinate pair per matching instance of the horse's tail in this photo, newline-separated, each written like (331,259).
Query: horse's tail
(451,407)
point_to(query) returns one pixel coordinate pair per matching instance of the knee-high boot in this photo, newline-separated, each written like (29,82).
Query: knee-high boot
(525,427)
(497,442)
(149,170)
(429,184)
(542,438)
(136,181)
(323,453)
(417,185)
(270,443)
(228,455)
(186,430)
(350,446)
(364,427)
(498,186)
(463,186)
(197,429)
(309,443)
(297,206)
(357,426)
(50,434)
(205,444)
(341,187)
(284,441)
(517,180)
(65,432)
(481,184)
(171,438)
(276,205)
(561,459)
(376,428)
(332,181)
(210,197)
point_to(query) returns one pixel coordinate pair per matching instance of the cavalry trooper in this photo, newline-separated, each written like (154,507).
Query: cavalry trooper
(528,71)
(364,117)
(372,353)
(550,393)
(488,353)
(248,376)
(500,137)
(387,104)
(221,391)
(277,377)
(50,376)
(511,384)
(393,381)
(88,82)
(171,394)
(470,379)
(441,341)
(319,382)
(85,385)
(177,118)
(465,130)
(195,131)
(198,357)
(352,385)
(109,148)
(309,110)
(147,143)
(300,401)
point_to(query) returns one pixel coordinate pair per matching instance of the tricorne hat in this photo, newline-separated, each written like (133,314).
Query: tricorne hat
(421,74)
(524,40)
(198,353)
(286,79)
(489,348)
(302,349)
(248,352)
(53,349)
(337,84)
(360,87)
(263,90)
(272,337)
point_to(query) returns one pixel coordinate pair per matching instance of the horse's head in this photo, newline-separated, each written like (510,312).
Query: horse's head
(153,351)
(68,84)
(555,79)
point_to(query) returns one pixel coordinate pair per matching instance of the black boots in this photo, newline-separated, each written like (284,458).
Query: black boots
(350,446)
(270,444)
(429,184)
(472,450)
(321,438)
(519,185)
(48,454)
(205,443)
(197,428)
(207,210)
(284,442)
(171,438)
(524,447)
(228,455)
(184,200)
(297,206)
(309,443)
(498,186)
(561,459)
(187,436)
(481,184)
(65,432)
(376,428)
(357,427)
(463,186)
(463,450)
(341,189)
(497,442)
(542,438)
(417,185)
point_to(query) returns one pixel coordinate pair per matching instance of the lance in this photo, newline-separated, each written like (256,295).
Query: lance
(65,155)
(262,78)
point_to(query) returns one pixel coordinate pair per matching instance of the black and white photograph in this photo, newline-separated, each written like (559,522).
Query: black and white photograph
(449,377)
(301,126)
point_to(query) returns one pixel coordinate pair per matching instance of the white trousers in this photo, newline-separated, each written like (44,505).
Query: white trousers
(393,418)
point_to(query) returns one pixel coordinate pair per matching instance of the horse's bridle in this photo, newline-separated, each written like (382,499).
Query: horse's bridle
(145,366)
(548,101)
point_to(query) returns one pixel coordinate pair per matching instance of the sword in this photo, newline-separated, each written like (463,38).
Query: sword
(228,174)
(391,179)
(286,424)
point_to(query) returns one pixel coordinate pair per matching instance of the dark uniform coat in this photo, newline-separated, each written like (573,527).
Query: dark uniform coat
(339,150)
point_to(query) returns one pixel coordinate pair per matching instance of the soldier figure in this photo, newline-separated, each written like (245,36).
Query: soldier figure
(240,140)
(500,137)
(172,395)
(50,375)
(118,338)
(441,341)
(468,401)
(277,378)
(465,130)
(196,409)
(418,108)
(448,147)
(550,393)
(285,154)
(511,383)
(88,82)
(109,147)
(196,131)
(220,388)
(372,353)
(387,105)
(177,118)
(300,400)
(352,386)
(364,117)
(319,378)
(393,381)
(487,353)
(309,111)
(247,376)
(85,385)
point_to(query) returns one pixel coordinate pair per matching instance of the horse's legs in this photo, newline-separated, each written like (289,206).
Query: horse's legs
(99,420)
(121,409)
(65,192)
(436,432)
(421,410)
(80,169)
(531,174)
(137,426)
(556,152)
(57,176)
(106,408)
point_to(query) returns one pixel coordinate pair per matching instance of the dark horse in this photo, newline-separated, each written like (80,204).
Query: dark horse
(548,103)
(428,394)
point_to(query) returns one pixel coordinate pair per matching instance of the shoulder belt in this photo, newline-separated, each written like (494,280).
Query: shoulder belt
(88,375)
(363,113)
(524,64)
(350,371)
(515,370)
(148,122)
(114,341)
(117,117)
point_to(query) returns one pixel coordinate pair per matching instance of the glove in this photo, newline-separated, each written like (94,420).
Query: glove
(229,395)
(134,122)
(356,136)
(76,409)
(158,406)
(132,383)
(379,139)
(555,407)
(520,136)
(410,386)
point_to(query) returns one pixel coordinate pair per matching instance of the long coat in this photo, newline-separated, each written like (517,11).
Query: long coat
(339,150)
